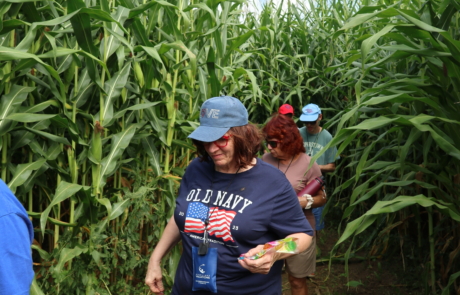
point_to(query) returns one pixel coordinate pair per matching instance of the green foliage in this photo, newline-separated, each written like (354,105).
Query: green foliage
(400,138)
(98,97)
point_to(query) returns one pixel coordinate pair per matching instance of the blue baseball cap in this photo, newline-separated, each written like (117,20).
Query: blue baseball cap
(310,113)
(217,116)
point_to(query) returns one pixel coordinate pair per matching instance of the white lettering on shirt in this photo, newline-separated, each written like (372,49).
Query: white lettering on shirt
(231,201)
(208,196)
(246,203)
(314,145)
(236,201)
(227,203)
(190,195)
(220,198)
(198,190)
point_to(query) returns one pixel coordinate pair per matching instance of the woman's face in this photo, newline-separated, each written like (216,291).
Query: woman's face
(221,152)
(276,152)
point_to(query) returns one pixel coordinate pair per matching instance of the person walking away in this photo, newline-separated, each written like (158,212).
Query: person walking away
(287,153)
(315,138)
(17,234)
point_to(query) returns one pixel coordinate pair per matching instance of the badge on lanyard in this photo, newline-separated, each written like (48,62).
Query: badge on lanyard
(204,266)
(205,258)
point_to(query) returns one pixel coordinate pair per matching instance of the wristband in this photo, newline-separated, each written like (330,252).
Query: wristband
(309,201)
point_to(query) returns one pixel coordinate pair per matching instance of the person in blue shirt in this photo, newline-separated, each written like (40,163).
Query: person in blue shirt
(16,236)
(234,201)
(315,138)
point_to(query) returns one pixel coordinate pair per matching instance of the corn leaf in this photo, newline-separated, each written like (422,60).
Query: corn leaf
(10,103)
(23,172)
(64,191)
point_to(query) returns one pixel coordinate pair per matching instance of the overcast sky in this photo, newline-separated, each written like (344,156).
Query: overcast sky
(256,5)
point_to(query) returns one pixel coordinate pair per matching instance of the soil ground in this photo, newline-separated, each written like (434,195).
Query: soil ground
(377,277)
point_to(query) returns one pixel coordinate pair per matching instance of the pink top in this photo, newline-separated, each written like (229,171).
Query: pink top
(296,175)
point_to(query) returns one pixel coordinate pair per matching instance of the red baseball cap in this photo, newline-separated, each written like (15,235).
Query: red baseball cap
(286,109)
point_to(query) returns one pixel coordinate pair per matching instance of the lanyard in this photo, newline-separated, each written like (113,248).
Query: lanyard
(203,247)
(310,153)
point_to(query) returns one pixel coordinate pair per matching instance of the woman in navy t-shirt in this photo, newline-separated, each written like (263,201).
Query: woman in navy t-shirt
(240,201)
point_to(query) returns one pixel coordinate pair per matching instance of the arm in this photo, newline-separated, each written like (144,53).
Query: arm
(264,264)
(169,239)
(327,168)
(318,200)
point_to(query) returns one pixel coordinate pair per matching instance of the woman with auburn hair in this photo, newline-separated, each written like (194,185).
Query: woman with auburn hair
(287,153)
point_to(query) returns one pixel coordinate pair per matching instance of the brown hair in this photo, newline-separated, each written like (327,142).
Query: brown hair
(246,141)
(284,128)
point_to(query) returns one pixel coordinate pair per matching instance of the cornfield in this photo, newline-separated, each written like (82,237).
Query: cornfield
(98,97)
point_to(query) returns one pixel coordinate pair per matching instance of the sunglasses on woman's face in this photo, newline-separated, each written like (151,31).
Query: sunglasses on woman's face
(221,142)
(272,143)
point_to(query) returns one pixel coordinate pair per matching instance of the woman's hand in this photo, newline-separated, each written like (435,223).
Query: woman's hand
(261,265)
(153,278)
(170,237)
(265,263)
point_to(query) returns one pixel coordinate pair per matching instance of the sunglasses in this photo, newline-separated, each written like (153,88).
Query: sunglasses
(310,122)
(272,143)
(221,142)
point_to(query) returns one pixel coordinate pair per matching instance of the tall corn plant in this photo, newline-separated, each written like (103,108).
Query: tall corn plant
(288,53)
(401,136)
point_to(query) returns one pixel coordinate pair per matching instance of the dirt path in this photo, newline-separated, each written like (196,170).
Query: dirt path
(377,277)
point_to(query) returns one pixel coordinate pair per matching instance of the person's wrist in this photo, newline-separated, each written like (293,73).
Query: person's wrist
(155,261)
(309,200)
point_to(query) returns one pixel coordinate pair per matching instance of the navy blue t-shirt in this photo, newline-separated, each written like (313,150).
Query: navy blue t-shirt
(245,210)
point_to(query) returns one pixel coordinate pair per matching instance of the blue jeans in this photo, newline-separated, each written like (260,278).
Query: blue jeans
(318,212)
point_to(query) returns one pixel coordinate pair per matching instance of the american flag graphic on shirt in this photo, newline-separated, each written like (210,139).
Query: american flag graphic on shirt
(219,221)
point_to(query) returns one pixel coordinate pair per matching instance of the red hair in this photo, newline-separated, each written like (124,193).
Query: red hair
(285,130)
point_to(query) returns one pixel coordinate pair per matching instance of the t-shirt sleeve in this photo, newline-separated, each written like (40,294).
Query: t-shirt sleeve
(183,183)
(331,152)
(190,172)
(330,155)
(315,171)
(287,216)
(16,272)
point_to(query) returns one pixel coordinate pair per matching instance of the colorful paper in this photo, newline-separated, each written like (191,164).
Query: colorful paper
(286,245)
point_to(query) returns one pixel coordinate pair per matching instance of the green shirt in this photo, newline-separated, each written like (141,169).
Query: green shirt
(313,143)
